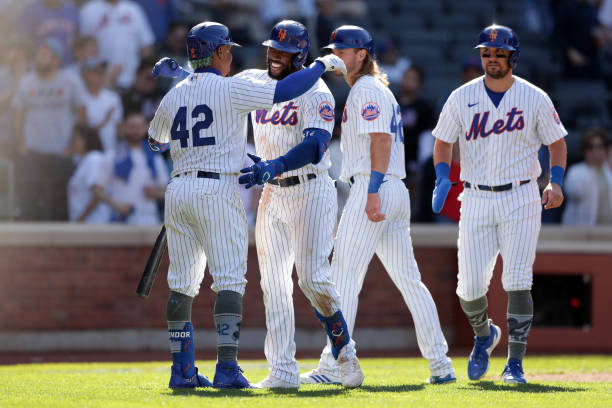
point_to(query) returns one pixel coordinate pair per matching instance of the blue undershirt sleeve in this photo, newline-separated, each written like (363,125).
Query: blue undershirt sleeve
(310,150)
(297,83)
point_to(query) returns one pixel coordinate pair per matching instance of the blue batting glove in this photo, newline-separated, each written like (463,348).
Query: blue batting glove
(167,68)
(442,187)
(260,172)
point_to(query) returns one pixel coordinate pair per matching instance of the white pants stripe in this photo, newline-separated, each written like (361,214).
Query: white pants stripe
(491,223)
(205,220)
(358,239)
(294,225)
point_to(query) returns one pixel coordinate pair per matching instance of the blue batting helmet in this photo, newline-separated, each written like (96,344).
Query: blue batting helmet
(502,37)
(350,36)
(290,36)
(204,38)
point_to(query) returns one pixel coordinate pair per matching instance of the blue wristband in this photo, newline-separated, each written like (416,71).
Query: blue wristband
(556,175)
(442,170)
(376,179)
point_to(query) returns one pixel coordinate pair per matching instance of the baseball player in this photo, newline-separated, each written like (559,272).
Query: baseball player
(501,121)
(376,218)
(297,210)
(203,121)
(295,219)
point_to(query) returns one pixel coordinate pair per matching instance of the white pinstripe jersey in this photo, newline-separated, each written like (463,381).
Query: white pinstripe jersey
(279,129)
(205,117)
(499,145)
(370,108)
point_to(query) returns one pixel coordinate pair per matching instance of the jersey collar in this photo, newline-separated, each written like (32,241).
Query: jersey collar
(208,69)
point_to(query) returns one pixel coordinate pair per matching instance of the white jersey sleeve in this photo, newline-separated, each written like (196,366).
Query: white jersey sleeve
(449,126)
(159,128)
(548,124)
(375,112)
(319,112)
(248,91)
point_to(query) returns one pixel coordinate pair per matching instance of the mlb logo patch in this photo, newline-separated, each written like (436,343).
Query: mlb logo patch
(556,116)
(370,111)
(326,111)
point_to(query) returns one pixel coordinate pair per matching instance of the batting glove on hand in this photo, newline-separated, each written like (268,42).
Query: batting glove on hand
(332,63)
(261,172)
(166,67)
(443,185)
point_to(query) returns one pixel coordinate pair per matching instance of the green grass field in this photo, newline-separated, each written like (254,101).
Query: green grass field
(389,382)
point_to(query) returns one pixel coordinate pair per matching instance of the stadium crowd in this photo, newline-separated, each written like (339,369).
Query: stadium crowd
(76,97)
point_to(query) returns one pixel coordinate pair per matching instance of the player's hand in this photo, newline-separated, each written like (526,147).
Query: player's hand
(552,196)
(332,63)
(373,208)
(166,67)
(260,172)
(440,193)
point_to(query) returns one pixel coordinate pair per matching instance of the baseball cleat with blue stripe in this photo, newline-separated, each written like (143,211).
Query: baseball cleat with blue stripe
(513,372)
(177,380)
(478,365)
(319,376)
(439,379)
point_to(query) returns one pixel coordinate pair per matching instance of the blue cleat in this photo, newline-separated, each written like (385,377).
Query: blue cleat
(513,372)
(229,375)
(177,380)
(438,379)
(478,365)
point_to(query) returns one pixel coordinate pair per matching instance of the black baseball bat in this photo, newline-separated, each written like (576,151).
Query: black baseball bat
(150,270)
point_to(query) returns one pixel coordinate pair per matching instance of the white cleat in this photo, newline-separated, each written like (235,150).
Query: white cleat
(273,382)
(319,376)
(352,376)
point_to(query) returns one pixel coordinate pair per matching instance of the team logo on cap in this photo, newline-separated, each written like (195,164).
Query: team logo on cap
(333,36)
(556,117)
(282,34)
(344,117)
(493,35)
(326,111)
(370,111)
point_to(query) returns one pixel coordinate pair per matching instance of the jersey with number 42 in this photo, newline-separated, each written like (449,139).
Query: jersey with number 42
(204,118)
(370,108)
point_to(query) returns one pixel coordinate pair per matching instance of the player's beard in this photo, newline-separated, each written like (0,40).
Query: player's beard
(287,70)
(500,73)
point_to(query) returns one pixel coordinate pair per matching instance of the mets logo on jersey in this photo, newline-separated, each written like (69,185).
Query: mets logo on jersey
(344,117)
(479,125)
(370,111)
(326,111)
(289,116)
(556,117)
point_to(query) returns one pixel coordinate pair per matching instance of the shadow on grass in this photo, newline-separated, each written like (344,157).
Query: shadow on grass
(303,392)
(527,388)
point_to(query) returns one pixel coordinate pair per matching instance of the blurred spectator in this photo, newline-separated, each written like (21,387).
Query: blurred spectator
(45,108)
(537,16)
(42,19)
(103,106)
(391,62)
(580,38)
(588,185)
(272,11)
(470,69)
(139,177)
(144,96)
(83,202)
(324,25)
(159,14)
(10,13)
(84,48)
(124,36)
(418,118)
(173,47)
(15,63)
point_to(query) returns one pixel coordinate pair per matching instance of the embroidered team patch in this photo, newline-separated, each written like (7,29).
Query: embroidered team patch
(326,111)
(555,116)
(344,117)
(370,111)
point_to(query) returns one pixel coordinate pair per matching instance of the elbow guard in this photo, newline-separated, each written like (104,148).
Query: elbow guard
(320,138)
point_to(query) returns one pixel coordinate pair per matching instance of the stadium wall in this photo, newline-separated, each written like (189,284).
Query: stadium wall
(67,287)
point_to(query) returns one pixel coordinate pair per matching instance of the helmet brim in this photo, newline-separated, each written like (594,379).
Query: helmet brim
(335,46)
(281,46)
(495,45)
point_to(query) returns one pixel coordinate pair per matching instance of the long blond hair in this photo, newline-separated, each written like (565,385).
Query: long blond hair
(370,67)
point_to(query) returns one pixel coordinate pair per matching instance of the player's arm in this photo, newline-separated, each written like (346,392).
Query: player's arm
(552,196)
(310,150)
(159,129)
(380,153)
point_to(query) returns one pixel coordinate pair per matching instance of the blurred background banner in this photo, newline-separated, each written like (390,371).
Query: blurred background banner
(81,195)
